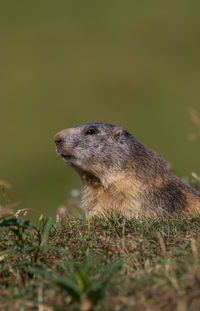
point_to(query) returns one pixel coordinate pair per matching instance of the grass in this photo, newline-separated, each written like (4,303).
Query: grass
(99,264)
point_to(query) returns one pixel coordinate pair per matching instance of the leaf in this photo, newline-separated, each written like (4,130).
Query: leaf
(82,272)
(45,230)
(68,285)
(98,287)
(95,294)
(8,221)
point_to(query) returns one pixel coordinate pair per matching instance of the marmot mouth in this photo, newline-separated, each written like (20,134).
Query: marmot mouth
(67,156)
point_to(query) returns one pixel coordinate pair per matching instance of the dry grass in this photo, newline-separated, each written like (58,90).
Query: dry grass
(101,264)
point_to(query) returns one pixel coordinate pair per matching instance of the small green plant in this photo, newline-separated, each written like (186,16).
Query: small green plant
(44,229)
(18,230)
(84,289)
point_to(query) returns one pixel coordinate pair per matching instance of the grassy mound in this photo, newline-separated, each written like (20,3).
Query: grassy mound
(101,264)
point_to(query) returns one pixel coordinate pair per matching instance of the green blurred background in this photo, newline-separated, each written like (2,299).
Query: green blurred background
(64,63)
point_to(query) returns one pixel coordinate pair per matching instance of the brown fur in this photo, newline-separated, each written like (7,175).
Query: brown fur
(121,175)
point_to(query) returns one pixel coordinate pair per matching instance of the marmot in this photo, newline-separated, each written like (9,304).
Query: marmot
(122,175)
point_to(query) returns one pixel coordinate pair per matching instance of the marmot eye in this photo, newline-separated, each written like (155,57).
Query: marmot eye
(90,131)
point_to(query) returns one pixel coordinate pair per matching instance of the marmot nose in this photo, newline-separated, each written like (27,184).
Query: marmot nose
(58,139)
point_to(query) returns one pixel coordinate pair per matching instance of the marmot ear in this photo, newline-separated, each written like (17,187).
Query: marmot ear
(118,132)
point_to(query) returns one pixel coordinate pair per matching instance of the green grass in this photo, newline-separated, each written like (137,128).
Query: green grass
(114,264)
(99,264)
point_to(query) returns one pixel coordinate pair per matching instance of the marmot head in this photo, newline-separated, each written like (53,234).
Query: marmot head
(95,147)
